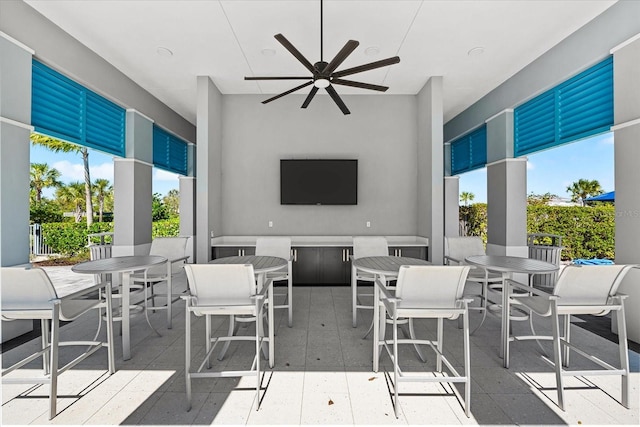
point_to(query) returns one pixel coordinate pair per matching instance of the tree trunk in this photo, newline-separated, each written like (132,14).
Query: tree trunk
(101,208)
(87,187)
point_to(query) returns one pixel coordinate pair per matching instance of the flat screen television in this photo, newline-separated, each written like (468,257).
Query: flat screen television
(318,182)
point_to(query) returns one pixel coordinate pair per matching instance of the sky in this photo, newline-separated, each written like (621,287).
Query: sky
(100,166)
(550,171)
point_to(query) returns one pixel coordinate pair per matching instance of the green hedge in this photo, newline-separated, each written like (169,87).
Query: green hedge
(587,232)
(70,238)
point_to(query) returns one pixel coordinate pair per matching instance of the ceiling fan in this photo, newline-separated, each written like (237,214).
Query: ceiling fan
(324,75)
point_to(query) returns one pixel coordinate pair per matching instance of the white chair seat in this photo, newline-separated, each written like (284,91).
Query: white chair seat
(423,292)
(280,247)
(29,294)
(226,290)
(364,246)
(173,249)
(456,250)
(578,290)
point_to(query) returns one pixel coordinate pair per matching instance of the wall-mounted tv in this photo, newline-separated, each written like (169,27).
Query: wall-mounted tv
(318,182)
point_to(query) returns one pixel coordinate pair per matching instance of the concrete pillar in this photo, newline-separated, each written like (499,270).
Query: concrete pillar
(626,78)
(431,167)
(507,207)
(451,205)
(188,213)
(208,167)
(506,190)
(15,128)
(132,188)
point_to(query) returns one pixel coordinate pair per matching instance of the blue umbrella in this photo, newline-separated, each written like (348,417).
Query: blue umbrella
(606,197)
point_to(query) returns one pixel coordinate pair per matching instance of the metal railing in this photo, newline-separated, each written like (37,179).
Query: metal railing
(37,246)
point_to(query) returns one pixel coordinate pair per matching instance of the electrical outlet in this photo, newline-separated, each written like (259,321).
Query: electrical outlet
(368,224)
(270,224)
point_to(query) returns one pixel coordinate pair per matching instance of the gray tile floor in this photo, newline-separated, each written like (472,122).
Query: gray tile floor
(322,375)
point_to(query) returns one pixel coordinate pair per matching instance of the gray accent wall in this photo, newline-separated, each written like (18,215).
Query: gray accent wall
(59,50)
(380,132)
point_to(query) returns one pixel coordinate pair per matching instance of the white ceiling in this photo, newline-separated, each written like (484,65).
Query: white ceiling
(224,39)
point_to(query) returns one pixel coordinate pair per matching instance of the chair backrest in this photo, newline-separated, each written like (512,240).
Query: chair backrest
(431,286)
(221,284)
(589,284)
(274,246)
(462,247)
(100,252)
(25,289)
(366,246)
(170,248)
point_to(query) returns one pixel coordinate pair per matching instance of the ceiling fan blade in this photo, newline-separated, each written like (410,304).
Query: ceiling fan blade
(359,85)
(295,52)
(287,92)
(346,50)
(336,98)
(278,78)
(367,67)
(309,97)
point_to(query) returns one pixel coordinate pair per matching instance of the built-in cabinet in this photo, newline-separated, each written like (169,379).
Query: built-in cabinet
(227,251)
(320,260)
(419,252)
(321,265)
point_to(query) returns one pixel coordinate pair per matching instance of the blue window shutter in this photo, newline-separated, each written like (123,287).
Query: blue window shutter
(577,108)
(67,110)
(585,103)
(535,124)
(56,104)
(460,159)
(105,125)
(469,152)
(169,151)
(478,146)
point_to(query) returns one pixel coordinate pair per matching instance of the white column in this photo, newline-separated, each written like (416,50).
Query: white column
(15,128)
(626,81)
(208,167)
(451,205)
(132,188)
(188,213)
(431,167)
(506,190)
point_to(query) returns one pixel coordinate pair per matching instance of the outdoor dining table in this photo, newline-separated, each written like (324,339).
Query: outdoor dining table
(123,265)
(507,266)
(262,265)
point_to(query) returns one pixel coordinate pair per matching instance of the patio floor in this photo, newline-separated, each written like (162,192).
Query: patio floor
(322,375)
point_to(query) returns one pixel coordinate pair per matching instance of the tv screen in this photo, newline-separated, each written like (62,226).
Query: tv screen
(318,182)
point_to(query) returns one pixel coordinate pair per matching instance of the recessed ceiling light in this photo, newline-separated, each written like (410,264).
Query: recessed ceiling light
(163,51)
(268,52)
(476,51)
(372,51)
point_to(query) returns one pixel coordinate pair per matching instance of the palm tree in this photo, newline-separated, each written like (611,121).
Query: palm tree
(42,176)
(466,197)
(71,196)
(102,189)
(584,188)
(58,146)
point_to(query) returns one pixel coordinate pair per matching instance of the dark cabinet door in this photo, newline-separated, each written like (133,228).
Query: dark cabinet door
(227,251)
(306,266)
(335,266)
(419,252)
